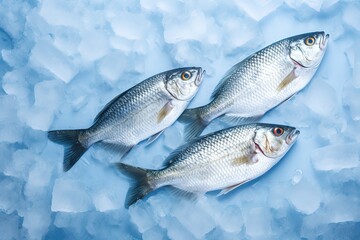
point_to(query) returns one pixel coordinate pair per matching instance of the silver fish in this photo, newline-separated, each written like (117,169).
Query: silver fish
(222,160)
(142,111)
(260,82)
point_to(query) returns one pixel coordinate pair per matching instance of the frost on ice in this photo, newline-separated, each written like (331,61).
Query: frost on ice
(62,61)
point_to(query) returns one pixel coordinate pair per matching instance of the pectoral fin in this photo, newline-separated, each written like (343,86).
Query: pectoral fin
(288,79)
(229,189)
(164,111)
(154,137)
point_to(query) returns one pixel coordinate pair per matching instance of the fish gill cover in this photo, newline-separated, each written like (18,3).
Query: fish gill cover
(62,61)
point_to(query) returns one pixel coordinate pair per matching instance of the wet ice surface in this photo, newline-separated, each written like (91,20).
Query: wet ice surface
(61,62)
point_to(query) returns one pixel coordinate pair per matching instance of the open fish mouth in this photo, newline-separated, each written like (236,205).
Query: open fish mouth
(200,76)
(290,139)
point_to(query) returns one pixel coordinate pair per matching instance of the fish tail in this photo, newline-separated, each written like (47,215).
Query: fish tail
(140,185)
(73,149)
(195,122)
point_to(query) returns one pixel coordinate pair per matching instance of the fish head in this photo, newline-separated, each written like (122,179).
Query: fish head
(307,50)
(183,83)
(274,141)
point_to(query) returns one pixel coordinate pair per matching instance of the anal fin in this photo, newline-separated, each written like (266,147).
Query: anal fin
(154,137)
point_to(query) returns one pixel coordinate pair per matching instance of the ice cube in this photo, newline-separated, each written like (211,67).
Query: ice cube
(258,9)
(94,45)
(231,219)
(314,4)
(36,221)
(39,179)
(198,222)
(257,222)
(154,233)
(48,97)
(305,196)
(193,25)
(5,40)
(10,196)
(45,56)
(175,230)
(61,13)
(19,167)
(10,128)
(351,100)
(70,195)
(321,98)
(13,84)
(130,26)
(141,214)
(112,66)
(9,226)
(336,157)
(351,14)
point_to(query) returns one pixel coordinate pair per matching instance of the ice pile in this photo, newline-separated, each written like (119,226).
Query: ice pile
(62,61)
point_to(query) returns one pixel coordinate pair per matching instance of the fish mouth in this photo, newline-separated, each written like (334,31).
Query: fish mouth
(199,76)
(292,136)
(324,40)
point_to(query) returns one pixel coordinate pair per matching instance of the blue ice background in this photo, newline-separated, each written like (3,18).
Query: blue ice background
(62,61)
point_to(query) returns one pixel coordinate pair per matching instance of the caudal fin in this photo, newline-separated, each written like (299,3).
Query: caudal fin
(73,149)
(194,122)
(140,185)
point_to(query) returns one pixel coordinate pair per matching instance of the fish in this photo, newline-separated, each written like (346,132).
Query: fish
(260,82)
(223,160)
(141,112)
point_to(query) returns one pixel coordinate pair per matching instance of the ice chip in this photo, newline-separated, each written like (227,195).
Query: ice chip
(297,177)
(336,157)
(70,196)
(305,196)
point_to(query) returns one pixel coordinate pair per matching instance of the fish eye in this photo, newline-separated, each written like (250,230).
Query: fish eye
(278,131)
(186,75)
(310,41)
